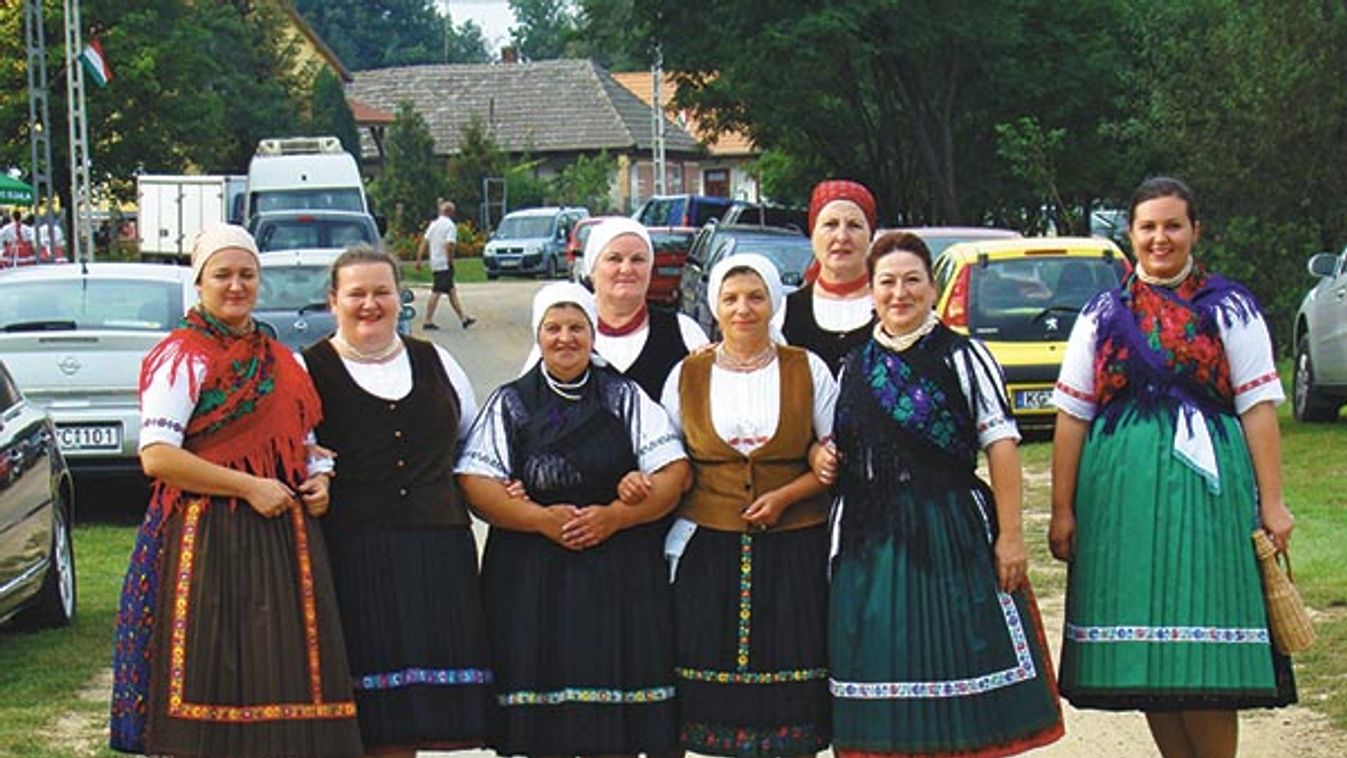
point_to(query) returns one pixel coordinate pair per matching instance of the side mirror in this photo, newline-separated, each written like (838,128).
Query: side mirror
(381,223)
(1323,265)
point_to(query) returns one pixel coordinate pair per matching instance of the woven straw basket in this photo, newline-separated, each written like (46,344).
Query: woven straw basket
(1292,630)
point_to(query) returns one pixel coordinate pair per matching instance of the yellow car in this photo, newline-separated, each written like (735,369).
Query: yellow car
(1021,297)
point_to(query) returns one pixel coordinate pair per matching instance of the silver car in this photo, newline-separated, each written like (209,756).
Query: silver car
(1320,339)
(73,336)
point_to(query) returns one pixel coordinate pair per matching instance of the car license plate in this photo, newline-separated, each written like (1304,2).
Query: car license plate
(508,262)
(91,437)
(1033,400)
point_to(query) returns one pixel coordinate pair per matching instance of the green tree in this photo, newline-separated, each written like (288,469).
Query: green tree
(331,114)
(911,107)
(1248,106)
(367,34)
(586,182)
(478,157)
(412,180)
(195,85)
(546,28)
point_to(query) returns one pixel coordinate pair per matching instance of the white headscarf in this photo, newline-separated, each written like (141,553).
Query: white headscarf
(212,239)
(760,264)
(562,293)
(605,232)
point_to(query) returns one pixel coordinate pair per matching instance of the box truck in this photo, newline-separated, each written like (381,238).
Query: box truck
(172,209)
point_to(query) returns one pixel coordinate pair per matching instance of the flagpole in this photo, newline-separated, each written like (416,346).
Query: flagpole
(81,230)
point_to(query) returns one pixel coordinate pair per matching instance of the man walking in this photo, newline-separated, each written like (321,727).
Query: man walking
(440,239)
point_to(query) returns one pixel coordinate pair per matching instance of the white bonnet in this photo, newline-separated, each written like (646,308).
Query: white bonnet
(605,232)
(761,264)
(559,293)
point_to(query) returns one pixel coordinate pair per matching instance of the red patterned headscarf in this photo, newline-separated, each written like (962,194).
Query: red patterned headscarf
(841,189)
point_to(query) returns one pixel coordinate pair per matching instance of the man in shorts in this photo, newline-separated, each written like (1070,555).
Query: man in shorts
(440,239)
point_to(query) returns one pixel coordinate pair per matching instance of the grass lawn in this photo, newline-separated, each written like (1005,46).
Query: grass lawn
(53,704)
(465,270)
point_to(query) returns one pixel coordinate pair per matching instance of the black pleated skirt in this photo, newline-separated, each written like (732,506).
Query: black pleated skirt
(411,606)
(248,657)
(582,644)
(751,616)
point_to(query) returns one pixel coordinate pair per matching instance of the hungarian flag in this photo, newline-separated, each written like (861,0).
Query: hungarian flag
(95,64)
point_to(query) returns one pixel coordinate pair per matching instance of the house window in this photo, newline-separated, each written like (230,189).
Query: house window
(716,181)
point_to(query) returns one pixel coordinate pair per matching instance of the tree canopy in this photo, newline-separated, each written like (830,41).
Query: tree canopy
(367,34)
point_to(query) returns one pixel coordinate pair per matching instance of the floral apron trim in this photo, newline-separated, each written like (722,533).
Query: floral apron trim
(1023,670)
(1200,634)
(179,707)
(413,676)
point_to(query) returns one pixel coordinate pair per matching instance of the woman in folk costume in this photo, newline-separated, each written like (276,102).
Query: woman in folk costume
(1166,457)
(640,343)
(403,556)
(749,548)
(834,313)
(935,643)
(228,639)
(576,591)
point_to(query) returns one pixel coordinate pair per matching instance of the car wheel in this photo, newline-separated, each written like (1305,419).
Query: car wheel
(551,267)
(1307,403)
(55,602)
(492,276)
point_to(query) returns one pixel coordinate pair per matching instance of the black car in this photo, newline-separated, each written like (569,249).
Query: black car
(790,250)
(37,562)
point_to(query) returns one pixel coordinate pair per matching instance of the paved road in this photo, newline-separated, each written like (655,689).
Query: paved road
(493,349)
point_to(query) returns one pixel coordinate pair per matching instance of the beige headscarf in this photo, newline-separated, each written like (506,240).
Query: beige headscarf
(212,239)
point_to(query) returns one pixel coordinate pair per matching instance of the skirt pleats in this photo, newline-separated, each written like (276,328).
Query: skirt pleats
(751,614)
(248,658)
(1164,603)
(582,643)
(416,638)
(927,655)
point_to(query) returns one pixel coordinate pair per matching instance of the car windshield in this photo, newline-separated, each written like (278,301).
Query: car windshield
(122,304)
(791,255)
(1036,297)
(672,242)
(309,232)
(291,288)
(524,227)
(309,200)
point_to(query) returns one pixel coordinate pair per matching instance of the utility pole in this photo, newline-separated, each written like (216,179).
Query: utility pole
(657,120)
(39,117)
(81,200)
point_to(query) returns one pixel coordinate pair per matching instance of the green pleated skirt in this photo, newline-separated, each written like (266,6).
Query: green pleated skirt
(1164,602)
(926,655)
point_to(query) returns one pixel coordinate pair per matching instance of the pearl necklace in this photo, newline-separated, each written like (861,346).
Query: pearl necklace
(566,390)
(730,362)
(352,353)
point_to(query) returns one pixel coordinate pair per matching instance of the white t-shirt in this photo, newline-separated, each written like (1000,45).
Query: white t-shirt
(441,233)
(746,406)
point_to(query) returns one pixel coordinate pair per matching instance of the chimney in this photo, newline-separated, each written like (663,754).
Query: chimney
(509,54)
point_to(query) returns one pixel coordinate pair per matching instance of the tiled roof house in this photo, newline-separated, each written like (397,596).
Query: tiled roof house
(726,169)
(553,111)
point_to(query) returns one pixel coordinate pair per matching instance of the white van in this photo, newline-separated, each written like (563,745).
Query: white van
(303,173)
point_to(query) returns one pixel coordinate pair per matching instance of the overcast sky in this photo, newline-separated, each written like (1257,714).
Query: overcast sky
(493,16)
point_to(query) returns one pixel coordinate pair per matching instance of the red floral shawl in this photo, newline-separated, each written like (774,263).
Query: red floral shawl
(255,405)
